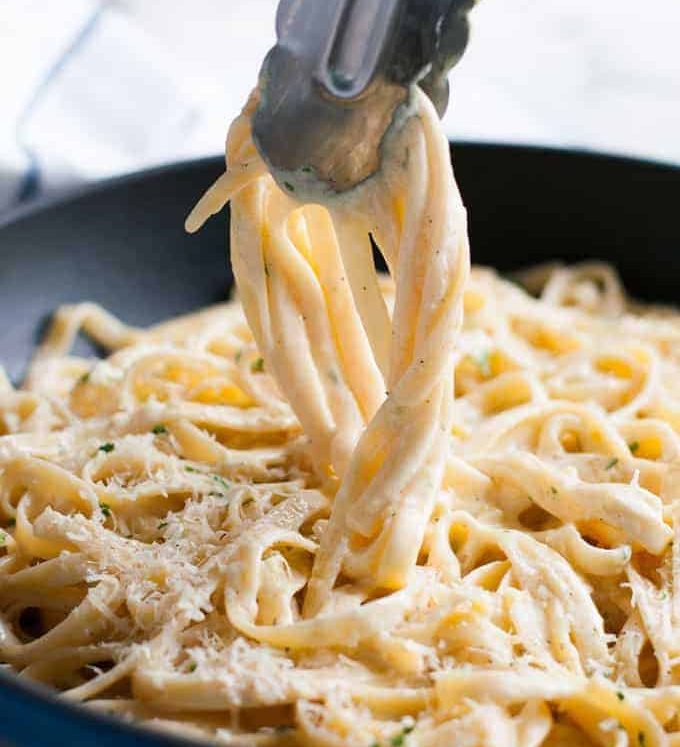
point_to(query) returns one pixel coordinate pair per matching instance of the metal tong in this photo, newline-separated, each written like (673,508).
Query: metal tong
(330,87)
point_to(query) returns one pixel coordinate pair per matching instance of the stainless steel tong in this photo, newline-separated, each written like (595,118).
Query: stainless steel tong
(330,87)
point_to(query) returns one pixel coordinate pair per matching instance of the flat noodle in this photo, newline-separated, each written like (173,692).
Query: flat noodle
(350,509)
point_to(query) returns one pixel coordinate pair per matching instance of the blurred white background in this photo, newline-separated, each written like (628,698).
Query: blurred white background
(98,88)
(603,74)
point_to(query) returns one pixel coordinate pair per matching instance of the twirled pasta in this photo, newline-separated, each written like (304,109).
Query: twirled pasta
(350,509)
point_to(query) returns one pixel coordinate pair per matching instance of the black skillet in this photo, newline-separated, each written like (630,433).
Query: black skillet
(122,244)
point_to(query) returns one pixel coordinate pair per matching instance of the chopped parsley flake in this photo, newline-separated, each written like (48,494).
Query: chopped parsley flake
(483,364)
(612,463)
(192,667)
(257,366)
(106,509)
(307,169)
(163,524)
(219,479)
(189,468)
(634,446)
(620,696)
(289,186)
(159,429)
(84,378)
(238,355)
(3,537)
(553,490)
(107,448)
(398,739)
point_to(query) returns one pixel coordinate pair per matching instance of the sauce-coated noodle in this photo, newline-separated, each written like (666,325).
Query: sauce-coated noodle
(351,509)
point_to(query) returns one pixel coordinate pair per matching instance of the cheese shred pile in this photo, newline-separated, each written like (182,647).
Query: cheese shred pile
(431,508)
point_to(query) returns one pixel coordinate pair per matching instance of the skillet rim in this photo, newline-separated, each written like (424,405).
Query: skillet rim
(23,212)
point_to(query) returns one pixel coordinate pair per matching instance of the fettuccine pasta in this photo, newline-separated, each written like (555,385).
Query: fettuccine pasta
(427,508)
